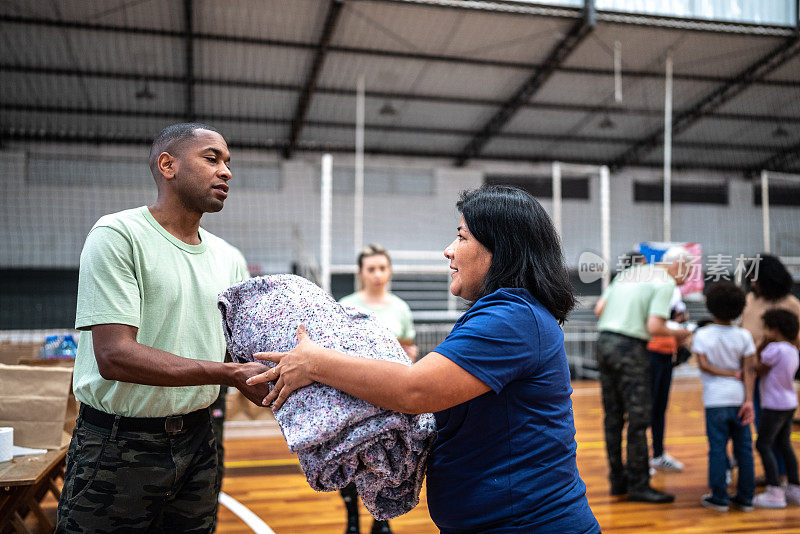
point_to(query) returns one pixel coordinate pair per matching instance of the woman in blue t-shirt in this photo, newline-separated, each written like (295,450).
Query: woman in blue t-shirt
(504,457)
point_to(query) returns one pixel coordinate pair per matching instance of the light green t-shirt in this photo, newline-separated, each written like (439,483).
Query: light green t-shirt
(634,295)
(134,272)
(396,315)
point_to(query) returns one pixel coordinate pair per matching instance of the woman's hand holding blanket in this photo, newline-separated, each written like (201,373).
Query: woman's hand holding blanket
(293,370)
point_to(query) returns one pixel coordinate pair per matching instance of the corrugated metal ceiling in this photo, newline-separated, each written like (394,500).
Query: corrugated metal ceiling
(118,70)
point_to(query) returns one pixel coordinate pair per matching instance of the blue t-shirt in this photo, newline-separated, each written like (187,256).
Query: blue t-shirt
(505,462)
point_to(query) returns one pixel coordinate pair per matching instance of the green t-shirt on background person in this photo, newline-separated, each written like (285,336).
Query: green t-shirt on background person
(634,295)
(396,315)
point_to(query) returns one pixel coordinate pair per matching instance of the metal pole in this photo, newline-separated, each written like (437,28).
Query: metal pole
(617,72)
(765,208)
(325,223)
(589,12)
(557,198)
(358,190)
(605,223)
(189,51)
(668,151)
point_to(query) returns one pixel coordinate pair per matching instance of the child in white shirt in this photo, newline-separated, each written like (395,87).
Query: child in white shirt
(726,357)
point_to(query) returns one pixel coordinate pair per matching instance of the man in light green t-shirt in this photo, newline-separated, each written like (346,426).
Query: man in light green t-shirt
(151,356)
(632,309)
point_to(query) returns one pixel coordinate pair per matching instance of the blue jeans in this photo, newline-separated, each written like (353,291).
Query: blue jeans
(723,424)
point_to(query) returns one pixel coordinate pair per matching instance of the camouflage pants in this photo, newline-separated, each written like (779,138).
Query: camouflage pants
(139,481)
(217,411)
(625,382)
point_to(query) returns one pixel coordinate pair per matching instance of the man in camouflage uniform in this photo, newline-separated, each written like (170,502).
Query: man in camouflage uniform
(632,309)
(143,455)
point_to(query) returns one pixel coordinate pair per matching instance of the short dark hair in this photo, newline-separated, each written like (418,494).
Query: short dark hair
(774,280)
(171,138)
(703,322)
(725,301)
(783,321)
(526,250)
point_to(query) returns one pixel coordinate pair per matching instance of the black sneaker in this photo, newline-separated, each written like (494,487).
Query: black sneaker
(352,525)
(651,495)
(381,527)
(619,483)
(710,502)
(744,506)
(619,487)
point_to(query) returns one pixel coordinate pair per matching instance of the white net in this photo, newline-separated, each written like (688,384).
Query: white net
(784,225)
(272,216)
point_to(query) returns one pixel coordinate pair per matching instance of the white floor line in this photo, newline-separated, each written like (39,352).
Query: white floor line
(244,513)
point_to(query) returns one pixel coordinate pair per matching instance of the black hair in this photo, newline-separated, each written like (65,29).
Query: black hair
(725,301)
(171,138)
(783,321)
(771,279)
(526,250)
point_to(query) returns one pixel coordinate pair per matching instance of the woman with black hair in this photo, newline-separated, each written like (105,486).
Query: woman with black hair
(770,287)
(504,458)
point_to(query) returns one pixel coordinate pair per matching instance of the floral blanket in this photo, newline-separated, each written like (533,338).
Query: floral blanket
(338,438)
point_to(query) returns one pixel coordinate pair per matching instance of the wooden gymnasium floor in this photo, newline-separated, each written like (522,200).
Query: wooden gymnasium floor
(263,476)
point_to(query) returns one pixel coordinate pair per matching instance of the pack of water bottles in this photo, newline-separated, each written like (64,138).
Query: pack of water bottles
(59,347)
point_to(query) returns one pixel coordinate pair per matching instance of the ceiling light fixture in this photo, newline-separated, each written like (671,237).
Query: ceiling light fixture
(607,123)
(387,110)
(144,93)
(780,131)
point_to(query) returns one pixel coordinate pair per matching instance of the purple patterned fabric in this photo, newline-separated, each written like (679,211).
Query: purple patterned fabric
(338,438)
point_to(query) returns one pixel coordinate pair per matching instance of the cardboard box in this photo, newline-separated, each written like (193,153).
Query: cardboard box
(72,403)
(34,401)
(11,353)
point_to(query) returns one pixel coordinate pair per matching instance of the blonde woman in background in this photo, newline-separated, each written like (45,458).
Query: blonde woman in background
(373,296)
